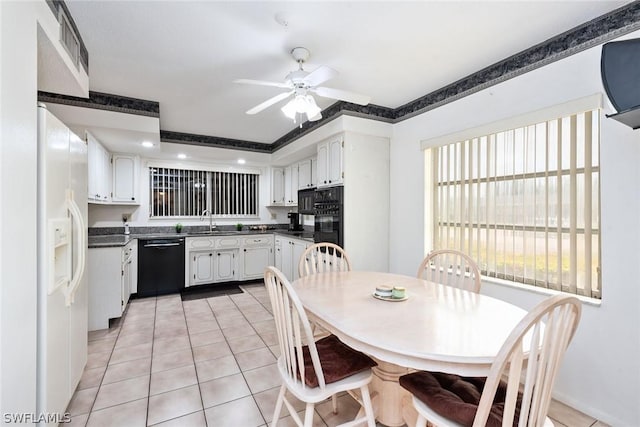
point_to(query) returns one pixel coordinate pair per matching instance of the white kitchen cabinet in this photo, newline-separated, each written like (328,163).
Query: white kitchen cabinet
(211,259)
(330,165)
(257,254)
(133,265)
(112,279)
(277,253)
(127,271)
(125,179)
(277,187)
(314,172)
(99,171)
(225,265)
(288,253)
(201,267)
(291,185)
(306,174)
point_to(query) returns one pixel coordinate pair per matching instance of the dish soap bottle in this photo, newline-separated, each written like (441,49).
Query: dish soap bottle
(126,229)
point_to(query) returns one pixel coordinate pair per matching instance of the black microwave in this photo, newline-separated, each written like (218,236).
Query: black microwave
(306,201)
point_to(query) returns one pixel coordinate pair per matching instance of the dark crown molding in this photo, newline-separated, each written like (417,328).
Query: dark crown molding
(214,141)
(616,23)
(105,101)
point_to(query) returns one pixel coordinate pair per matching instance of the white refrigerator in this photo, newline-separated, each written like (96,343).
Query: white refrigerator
(62,253)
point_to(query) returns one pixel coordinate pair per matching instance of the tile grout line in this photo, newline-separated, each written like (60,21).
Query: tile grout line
(153,343)
(234,354)
(105,369)
(195,368)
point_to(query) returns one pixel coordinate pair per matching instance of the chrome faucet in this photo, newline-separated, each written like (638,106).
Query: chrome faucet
(212,226)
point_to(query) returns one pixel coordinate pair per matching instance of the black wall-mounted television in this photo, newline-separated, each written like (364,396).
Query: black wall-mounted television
(620,70)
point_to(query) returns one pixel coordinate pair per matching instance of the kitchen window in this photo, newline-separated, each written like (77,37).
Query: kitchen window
(188,193)
(524,202)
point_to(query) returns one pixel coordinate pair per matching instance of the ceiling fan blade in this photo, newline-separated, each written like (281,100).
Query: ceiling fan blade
(320,75)
(286,85)
(342,95)
(269,102)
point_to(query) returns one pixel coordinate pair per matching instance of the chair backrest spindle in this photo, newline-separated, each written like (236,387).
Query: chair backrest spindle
(323,257)
(452,268)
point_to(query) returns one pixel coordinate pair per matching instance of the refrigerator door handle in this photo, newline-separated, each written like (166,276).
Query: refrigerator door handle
(76,217)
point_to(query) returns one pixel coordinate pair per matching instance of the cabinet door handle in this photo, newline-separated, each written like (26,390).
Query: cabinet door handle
(212,254)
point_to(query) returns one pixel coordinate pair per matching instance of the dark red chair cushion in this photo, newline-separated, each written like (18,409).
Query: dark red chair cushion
(338,361)
(455,397)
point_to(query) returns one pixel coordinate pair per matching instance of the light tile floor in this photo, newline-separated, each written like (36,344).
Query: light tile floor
(207,362)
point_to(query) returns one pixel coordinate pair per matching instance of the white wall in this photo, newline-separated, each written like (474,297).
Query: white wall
(22,26)
(18,80)
(18,85)
(601,372)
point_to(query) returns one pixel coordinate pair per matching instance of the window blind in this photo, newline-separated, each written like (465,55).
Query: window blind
(187,193)
(524,202)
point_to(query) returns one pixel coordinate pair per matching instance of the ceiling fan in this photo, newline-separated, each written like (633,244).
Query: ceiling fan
(301,84)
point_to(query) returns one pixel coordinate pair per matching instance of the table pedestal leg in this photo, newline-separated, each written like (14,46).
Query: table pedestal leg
(391,397)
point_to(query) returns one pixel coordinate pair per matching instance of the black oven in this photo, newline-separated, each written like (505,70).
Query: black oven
(328,216)
(306,201)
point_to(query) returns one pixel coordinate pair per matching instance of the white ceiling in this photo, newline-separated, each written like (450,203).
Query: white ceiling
(185,54)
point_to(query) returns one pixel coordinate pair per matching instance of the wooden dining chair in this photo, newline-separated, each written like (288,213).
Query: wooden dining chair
(452,268)
(531,354)
(323,257)
(313,370)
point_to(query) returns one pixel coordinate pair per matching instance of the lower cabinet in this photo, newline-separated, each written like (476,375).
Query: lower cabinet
(227,258)
(257,254)
(112,279)
(225,265)
(288,253)
(201,267)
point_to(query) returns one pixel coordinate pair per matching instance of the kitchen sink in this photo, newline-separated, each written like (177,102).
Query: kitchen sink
(204,232)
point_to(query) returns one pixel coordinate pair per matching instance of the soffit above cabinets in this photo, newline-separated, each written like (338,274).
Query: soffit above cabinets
(118,132)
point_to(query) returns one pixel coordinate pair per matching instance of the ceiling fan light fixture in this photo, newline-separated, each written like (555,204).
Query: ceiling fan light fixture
(303,104)
(316,117)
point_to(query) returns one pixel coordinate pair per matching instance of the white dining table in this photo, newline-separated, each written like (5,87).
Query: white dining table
(437,328)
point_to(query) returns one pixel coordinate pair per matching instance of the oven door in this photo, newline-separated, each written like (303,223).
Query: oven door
(327,229)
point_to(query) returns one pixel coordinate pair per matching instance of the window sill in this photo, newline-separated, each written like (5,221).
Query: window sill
(541,291)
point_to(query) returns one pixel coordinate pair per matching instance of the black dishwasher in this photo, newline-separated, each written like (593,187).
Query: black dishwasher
(160,266)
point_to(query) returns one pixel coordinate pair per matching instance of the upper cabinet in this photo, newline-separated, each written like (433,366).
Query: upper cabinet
(277,187)
(330,167)
(99,174)
(111,179)
(291,185)
(285,183)
(125,178)
(306,174)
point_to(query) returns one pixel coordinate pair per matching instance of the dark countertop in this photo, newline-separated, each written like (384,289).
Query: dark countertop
(119,240)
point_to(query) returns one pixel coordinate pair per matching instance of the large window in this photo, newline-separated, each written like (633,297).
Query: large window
(188,193)
(524,202)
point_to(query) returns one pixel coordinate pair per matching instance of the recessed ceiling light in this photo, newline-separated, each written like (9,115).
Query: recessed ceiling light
(241,161)
(182,156)
(147,144)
